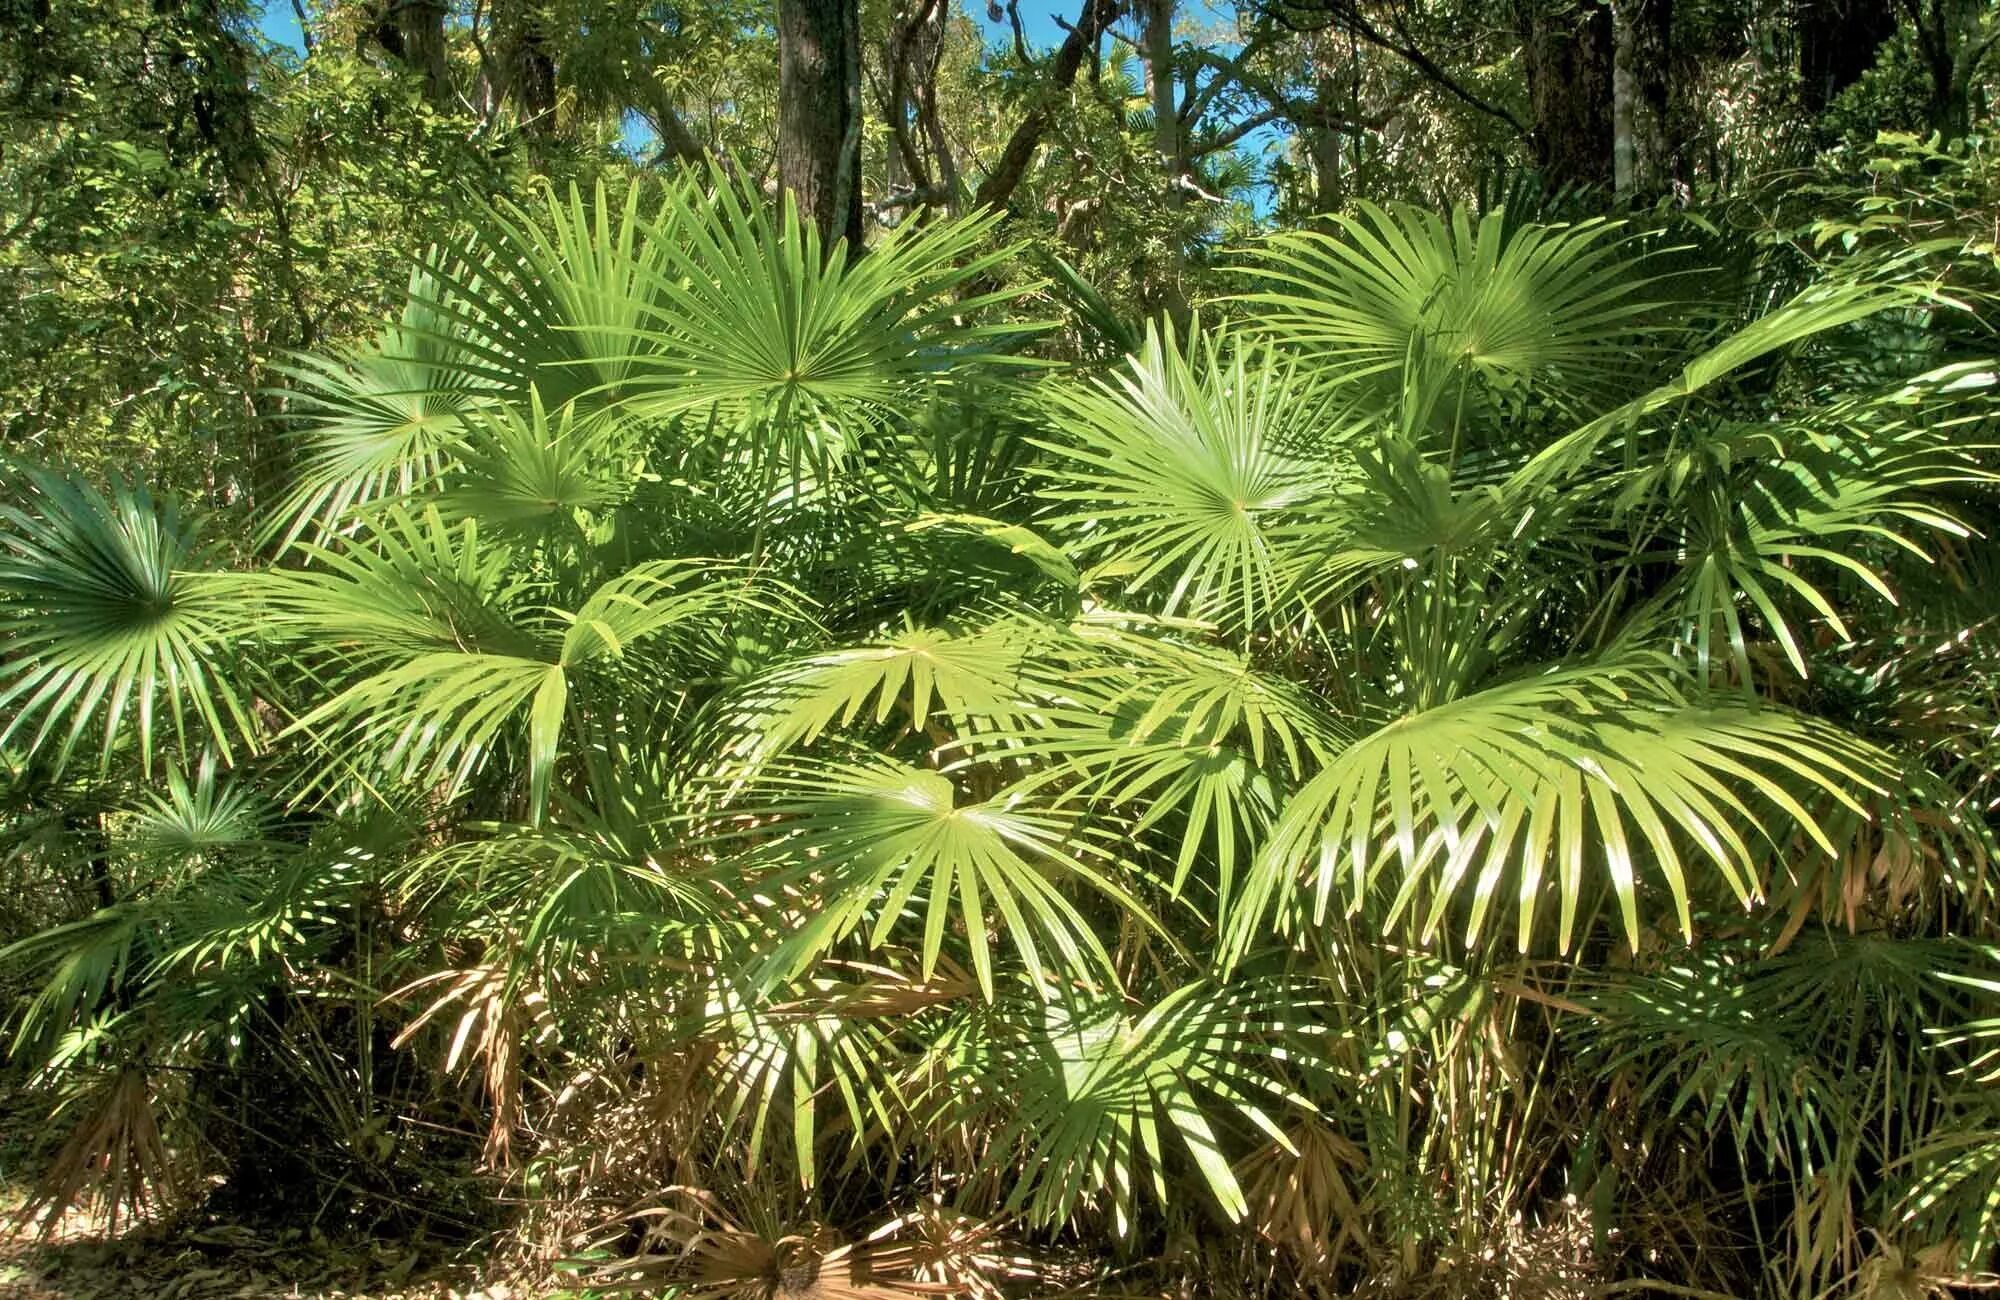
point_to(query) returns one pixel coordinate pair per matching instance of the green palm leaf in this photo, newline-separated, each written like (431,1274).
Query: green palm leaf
(1408,305)
(876,849)
(453,654)
(101,623)
(531,470)
(1173,473)
(382,419)
(754,320)
(920,677)
(1813,312)
(554,299)
(1606,764)
(1097,1086)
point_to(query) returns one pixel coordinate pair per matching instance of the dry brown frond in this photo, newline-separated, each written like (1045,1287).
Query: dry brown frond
(883,992)
(497,1019)
(114,1158)
(697,1247)
(1302,1200)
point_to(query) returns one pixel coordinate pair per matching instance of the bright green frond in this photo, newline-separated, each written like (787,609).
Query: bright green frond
(1174,473)
(1606,768)
(101,624)
(1406,306)
(878,850)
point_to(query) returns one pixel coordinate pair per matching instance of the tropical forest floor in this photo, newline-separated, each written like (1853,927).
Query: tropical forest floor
(81,1262)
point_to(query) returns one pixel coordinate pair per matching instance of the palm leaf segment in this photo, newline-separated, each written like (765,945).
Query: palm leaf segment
(681,304)
(1607,762)
(1175,474)
(1099,1086)
(921,679)
(880,848)
(454,652)
(101,623)
(1408,308)
(380,420)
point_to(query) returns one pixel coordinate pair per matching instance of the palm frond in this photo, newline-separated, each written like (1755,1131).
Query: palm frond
(1174,473)
(878,848)
(1407,306)
(102,623)
(1097,1085)
(1607,764)
(381,419)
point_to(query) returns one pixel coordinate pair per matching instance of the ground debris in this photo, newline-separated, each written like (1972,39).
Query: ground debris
(226,1262)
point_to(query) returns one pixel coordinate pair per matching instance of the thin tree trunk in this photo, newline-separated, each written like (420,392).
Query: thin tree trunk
(819,113)
(1623,150)
(1643,155)
(1838,41)
(1165,284)
(422,26)
(1323,148)
(897,171)
(1160,83)
(526,67)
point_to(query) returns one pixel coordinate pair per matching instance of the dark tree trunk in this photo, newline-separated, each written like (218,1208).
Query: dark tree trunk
(1838,41)
(422,24)
(1567,48)
(1324,148)
(1953,44)
(527,69)
(1160,86)
(819,113)
(412,33)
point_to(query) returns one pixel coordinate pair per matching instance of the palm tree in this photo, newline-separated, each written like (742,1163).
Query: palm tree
(1426,742)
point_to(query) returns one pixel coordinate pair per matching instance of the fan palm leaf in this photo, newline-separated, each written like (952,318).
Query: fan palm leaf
(1407,305)
(875,848)
(1097,1086)
(1607,762)
(453,655)
(381,419)
(1174,475)
(101,622)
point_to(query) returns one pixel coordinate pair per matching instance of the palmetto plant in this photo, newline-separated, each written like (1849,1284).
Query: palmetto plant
(1436,737)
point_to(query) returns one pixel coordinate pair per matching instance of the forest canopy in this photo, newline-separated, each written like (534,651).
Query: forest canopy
(876,649)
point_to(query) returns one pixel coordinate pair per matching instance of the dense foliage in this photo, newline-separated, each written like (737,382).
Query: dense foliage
(1445,749)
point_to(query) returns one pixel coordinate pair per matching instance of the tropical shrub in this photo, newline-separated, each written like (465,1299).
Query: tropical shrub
(1463,770)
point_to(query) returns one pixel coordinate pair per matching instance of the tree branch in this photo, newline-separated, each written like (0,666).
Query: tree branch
(899,91)
(1013,163)
(1347,15)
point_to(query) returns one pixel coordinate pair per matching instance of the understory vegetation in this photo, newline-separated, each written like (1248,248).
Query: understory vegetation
(1452,755)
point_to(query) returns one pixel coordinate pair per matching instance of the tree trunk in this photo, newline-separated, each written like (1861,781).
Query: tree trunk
(1323,147)
(1643,156)
(412,33)
(1952,45)
(819,113)
(526,67)
(1160,84)
(1838,41)
(422,25)
(913,53)
(1567,50)
(898,174)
